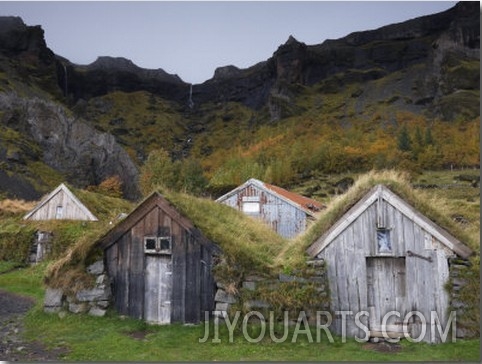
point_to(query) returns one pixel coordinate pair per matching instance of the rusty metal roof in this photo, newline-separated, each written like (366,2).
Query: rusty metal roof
(305,202)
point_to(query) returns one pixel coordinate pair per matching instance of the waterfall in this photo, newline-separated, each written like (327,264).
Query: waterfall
(190,102)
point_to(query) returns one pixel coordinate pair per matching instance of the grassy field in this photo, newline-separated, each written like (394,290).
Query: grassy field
(114,338)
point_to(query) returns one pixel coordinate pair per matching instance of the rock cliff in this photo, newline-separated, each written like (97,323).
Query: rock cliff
(84,155)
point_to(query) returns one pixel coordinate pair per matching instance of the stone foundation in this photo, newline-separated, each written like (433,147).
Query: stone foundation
(94,301)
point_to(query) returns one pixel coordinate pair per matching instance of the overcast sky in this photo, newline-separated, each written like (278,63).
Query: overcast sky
(193,38)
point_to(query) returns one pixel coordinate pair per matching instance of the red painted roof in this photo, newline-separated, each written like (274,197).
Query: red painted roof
(305,202)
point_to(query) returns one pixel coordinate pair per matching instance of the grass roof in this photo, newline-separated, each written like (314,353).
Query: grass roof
(248,245)
(245,241)
(399,183)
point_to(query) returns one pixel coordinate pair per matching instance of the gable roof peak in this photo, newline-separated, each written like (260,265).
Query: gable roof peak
(62,187)
(381,191)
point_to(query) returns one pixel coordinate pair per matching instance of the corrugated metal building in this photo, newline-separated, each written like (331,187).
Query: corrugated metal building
(285,212)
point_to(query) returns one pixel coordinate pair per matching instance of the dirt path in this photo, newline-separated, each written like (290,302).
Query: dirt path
(12,345)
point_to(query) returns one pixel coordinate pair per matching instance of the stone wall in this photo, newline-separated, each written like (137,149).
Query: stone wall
(464,291)
(298,292)
(93,301)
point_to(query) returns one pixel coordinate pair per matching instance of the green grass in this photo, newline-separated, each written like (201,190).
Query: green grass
(7,266)
(111,338)
(23,281)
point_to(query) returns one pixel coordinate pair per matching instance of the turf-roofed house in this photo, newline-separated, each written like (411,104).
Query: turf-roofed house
(172,259)
(60,204)
(159,265)
(383,255)
(285,212)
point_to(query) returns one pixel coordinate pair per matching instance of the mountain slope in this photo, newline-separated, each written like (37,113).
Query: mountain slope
(337,106)
(41,141)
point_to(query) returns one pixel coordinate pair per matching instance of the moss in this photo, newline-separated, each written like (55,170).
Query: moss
(15,240)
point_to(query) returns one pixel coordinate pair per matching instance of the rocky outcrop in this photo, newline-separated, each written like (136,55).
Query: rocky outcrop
(17,38)
(425,42)
(109,74)
(68,145)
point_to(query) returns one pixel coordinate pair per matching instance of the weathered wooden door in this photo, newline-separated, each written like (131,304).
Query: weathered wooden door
(158,289)
(386,292)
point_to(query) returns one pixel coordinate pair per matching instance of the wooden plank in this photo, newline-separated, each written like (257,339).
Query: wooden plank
(369,230)
(192,294)
(207,282)
(179,245)
(394,220)
(341,274)
(353,274)
(151,290)
(165,289)
(151,223)
(136,271)
(339,226)
(122,281)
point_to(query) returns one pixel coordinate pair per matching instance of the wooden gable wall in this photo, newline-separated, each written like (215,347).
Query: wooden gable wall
(350,255)
(71,210)
(193,286)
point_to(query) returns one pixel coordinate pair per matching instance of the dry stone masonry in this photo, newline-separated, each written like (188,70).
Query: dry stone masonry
(93,301)
(277,294)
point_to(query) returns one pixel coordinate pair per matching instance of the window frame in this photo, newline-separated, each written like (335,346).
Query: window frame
(158,245)
(59,212)
(251,201)
(387,238)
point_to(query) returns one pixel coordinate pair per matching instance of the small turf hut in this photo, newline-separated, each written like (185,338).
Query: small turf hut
(383,255)
(285,212)
(159,265)
(61,204)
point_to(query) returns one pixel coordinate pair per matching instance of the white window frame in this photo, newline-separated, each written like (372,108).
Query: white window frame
(157,249)
(251,205)
(59,212)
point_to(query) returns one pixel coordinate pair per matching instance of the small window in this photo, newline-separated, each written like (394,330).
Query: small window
(251,205)
(59,212)
(383,240)
(155,245)
(150,244)
(164,245)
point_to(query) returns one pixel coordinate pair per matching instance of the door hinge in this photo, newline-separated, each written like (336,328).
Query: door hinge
(412,254)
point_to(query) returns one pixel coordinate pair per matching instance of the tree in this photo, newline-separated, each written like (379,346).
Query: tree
(428,137)
(111,186)
(404,140)
(158,170)
(191,177)
(419,140)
